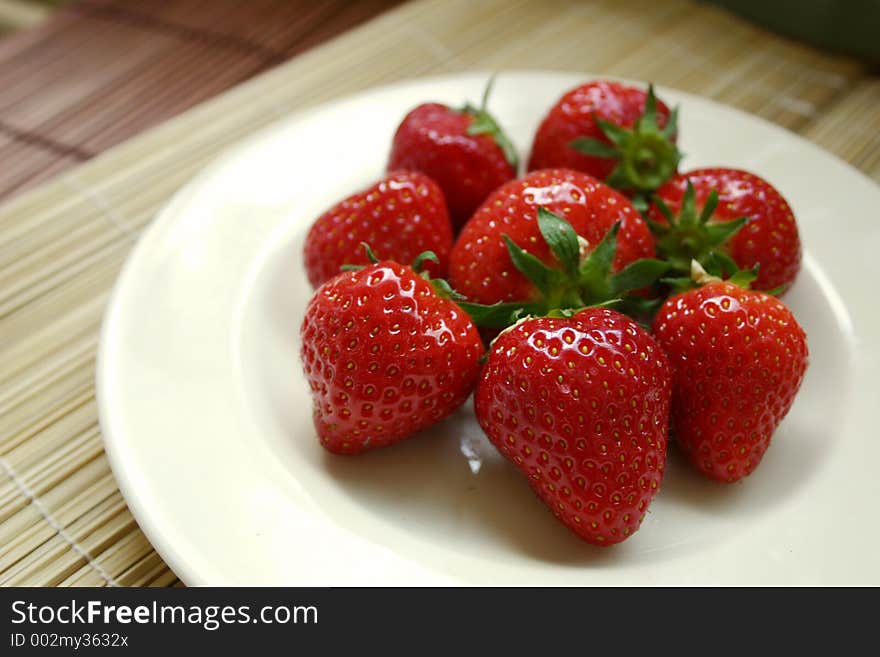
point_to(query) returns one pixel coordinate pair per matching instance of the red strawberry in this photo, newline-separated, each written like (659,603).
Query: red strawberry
(581,407)
(708,220)
(385,356)
(464,150)
(400,216)
(480,266)
(738,358)
(614,132)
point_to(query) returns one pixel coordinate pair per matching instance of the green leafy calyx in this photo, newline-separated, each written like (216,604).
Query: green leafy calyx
(441,286)
(693,235)
(370,256)
(485,124)
(646,154)
(581,279)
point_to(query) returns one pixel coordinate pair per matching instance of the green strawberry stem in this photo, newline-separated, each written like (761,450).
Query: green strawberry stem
(485,124)
(646,154)
(581,281)
(692,236)
(717,265)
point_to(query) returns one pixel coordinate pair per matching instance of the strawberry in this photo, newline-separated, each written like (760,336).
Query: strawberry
(463,149)
(612,131)
(385,355)
(581,405)
(738,358)
(731,211)
(400,216)
(480,265)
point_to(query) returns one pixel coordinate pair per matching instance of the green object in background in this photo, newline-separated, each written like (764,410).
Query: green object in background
(846,26)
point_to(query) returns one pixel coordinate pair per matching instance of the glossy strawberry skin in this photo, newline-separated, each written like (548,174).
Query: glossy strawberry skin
(433,139)
(771,237)
(399,217)
(738,358)
(384,357)
(573,116)
(581,407)
(480,267)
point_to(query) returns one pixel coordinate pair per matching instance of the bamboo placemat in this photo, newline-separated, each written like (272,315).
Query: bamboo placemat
(97,72)
(62,519)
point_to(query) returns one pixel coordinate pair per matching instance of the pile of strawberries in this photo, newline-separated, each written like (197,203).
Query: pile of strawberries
(594,306)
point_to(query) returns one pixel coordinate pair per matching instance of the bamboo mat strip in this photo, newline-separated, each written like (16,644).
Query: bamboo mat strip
(275,28)
(62,244)
(20,14)
(851,127)
(24,39)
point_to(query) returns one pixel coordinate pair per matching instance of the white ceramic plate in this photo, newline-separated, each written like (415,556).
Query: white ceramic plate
(207,417)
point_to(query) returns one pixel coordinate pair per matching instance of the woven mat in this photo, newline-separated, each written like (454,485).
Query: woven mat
(67,86)
(62,519)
